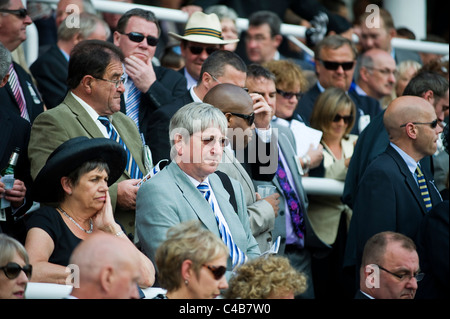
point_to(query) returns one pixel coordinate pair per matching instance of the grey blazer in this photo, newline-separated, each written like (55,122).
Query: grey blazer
(170,198)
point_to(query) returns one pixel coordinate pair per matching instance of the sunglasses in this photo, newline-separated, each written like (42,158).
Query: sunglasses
(249,118)
(346,119)
(198,50)
(330,65)
(289,95)
(12,270)
(217,271)
(432,124)
(21,13)
(139,37)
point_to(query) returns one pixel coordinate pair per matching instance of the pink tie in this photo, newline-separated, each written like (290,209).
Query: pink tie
(15,87)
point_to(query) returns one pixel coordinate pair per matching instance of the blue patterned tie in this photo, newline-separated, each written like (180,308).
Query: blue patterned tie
(423,188)
(132,102)
(132,167)
(237,256)
(294,204)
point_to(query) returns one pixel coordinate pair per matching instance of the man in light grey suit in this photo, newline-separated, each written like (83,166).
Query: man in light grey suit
(95,83)
(298,251)
(198,136)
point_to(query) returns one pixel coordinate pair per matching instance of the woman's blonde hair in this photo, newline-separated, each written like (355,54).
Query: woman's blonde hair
(9,247)
(288,75)
(186,241)
(265,277)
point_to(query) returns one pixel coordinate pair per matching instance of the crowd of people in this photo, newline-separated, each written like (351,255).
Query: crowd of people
(142,144)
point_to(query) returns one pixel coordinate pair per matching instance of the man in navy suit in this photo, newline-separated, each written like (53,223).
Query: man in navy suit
(26,100)
(335,58)
(388,196)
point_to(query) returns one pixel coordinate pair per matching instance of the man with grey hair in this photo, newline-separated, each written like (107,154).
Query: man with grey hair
(19,95)
(15,132)
(178,192)
(51,69)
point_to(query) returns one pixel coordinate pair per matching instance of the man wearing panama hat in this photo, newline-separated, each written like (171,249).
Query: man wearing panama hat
(202,36)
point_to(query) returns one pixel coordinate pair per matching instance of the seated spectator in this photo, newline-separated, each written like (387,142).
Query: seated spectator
(406,70)
(389,267)
(51,68)
(107,268)
(267,277)
(191,263)
(15,269)
(172,59)
(227,17)
(334,115)
(76,178)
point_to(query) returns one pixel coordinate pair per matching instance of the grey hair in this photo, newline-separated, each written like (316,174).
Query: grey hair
(9,247)
(5,61)
(222,11)
(196,117)
(88,24)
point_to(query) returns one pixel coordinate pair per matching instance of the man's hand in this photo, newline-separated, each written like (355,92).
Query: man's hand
(273,200)
(15,195)
(263,112)
(315,154)
(140,72)
(126,194)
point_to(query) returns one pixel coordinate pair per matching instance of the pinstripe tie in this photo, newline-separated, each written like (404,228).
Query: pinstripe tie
(237,256)
(15,88)
(423,188)
(132,167)
(132,103)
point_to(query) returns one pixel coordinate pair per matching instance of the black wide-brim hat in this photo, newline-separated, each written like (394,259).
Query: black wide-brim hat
(72,154)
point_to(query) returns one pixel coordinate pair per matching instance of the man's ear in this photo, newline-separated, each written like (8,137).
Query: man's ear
(4,80)
(116,38)
(278,39)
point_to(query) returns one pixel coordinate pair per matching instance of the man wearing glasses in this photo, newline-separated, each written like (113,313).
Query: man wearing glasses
(19,95)
(395,191)
(147,87)
(335,58)
(389,268)
(202,36)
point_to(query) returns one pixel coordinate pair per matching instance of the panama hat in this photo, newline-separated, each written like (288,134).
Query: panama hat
(72,154)
(203,28)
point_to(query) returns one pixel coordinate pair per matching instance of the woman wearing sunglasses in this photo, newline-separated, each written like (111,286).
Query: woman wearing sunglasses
(191,263)
(333,114)
(15,270)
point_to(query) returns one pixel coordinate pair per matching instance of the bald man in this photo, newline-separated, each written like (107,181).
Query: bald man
(388,196)
(108,268)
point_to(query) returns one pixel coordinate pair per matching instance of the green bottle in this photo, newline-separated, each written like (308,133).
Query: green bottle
(9,170)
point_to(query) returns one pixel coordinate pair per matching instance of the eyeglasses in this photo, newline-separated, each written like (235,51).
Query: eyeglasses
(139,37)
(419,276)
(289,95)
(12,270)
(384,71)
(346,119)
(250,118)
(21,13)
(116,83)
(217,271)
(330,65)
(198,50)
(432,124)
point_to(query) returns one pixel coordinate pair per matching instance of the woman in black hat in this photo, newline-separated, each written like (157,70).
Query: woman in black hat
(75,180)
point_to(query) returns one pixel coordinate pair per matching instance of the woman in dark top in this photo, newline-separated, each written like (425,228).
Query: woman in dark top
(76,178)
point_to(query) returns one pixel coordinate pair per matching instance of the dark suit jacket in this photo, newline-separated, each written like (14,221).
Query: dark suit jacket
(364,104)
(15,132)
(388,198)
(168,86)
(360,295)
(50,71)
(35,106)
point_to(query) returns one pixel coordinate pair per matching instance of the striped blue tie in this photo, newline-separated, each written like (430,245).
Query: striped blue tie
(423,188)
(237,256)
(132,102)
(132,167)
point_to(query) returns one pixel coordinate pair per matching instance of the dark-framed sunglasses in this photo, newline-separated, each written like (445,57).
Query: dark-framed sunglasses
(331,65)
(432,124)
(139,37)
(347,119)
(12,270)
(21,13)
(289,95)
(250,118)
(198,50)
(217,271)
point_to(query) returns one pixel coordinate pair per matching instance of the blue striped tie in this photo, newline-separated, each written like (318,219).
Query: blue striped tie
(132,102)
(423,188)
(237,256)
(132,167)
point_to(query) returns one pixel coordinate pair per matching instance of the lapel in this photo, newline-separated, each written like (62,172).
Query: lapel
(6,128)
(232,160)
(83,117)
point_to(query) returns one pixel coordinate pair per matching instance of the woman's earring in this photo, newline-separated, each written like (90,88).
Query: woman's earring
(186,282)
